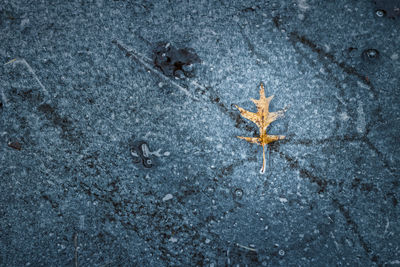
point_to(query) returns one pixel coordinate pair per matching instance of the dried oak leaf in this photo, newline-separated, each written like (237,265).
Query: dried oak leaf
(263,119)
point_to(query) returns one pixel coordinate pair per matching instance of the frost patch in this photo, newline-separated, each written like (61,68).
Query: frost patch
(283,200)
(343,116)
(167,197)
(173,240)
(360,119)
(395,56)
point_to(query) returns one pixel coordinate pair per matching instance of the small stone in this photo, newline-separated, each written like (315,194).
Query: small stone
(395,56)
(167,197)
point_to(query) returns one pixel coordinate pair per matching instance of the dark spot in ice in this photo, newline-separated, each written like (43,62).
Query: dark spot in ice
(374,258)
(175,62)
(46,109)
(351,49)
(199,258)
(238,193)
(66,125)
(53,204)
(277,21)
(250,9)
(395,201)
(355,182)
(370,55)
(389,8)
(350,52)
(380,13)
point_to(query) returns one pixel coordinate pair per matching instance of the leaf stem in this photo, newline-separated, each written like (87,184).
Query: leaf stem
(262,171)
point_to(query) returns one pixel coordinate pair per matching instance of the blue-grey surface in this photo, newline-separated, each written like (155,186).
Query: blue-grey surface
(85,81)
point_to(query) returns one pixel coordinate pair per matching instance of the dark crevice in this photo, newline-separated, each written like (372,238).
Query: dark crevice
(354,227)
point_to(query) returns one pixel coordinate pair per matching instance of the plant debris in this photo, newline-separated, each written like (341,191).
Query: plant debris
(263,118)
(15,145)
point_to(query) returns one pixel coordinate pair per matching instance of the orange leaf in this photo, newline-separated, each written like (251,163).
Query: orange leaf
(262,119)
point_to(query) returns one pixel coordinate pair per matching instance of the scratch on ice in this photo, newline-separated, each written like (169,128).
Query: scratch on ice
(30,69)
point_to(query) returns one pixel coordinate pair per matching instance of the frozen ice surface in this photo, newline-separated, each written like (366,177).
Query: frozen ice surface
(81,87)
